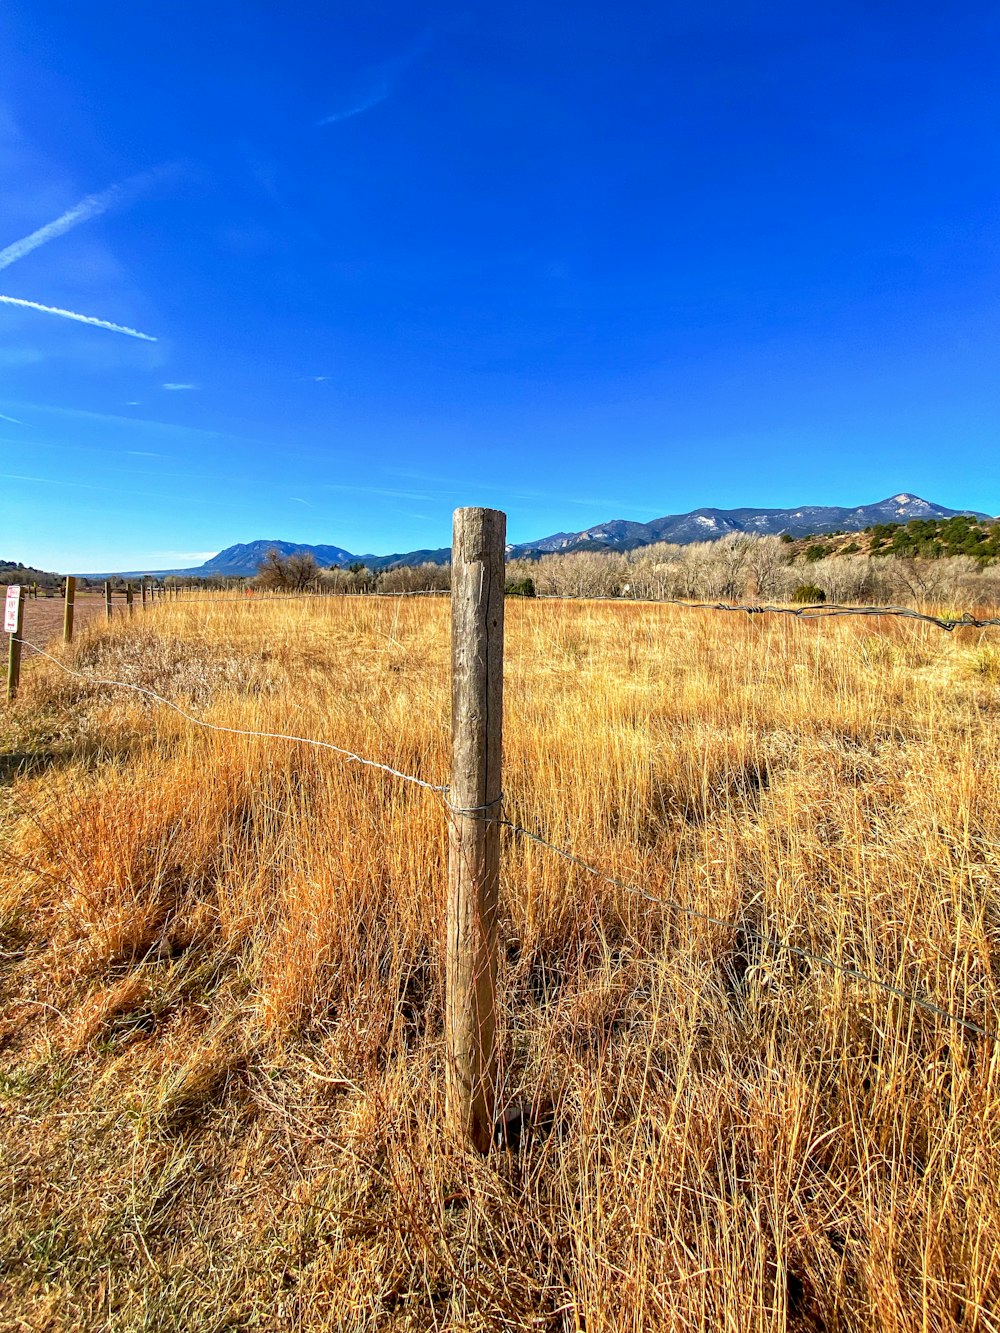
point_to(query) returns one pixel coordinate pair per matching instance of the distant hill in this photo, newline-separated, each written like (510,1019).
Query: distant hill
(706,524)
(12,571)
(243,559)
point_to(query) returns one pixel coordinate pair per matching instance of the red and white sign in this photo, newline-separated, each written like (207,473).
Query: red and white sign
(10,609)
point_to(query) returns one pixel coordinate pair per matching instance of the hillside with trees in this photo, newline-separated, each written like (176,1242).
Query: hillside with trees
(13,571)
(926,538)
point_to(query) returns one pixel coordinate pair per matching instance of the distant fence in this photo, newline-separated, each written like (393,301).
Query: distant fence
(474,799)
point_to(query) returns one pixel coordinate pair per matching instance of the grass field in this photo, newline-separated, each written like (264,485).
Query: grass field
(221,1049)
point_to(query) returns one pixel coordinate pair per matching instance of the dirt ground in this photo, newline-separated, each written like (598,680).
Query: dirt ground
(43,619)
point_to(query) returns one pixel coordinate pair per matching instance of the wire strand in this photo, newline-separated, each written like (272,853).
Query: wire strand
(813,611)
(773,945)
(236,731)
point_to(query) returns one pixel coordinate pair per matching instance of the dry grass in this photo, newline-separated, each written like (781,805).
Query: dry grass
(222,980)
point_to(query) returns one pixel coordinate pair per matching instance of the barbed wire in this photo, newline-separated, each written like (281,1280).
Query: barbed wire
(816,612)
(774,946)
(812,611)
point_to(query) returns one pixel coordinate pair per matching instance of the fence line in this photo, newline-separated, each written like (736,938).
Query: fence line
(234,597)
(770,944)
(812,611)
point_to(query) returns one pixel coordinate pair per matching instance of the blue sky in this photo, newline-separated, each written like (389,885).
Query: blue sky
(577,261)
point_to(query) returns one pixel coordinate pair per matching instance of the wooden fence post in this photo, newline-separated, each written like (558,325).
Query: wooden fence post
(142,588)
(14,628)
(68,610)
(128,597)
(107,601)
(477,593)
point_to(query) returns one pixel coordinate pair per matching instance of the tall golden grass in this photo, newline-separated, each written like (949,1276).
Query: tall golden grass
(221,1064)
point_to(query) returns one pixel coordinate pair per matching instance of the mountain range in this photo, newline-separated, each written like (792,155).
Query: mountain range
(242,560)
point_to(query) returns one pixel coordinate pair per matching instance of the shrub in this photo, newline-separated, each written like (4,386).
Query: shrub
(987,663)
(520,587)
(816,552)
(807,593)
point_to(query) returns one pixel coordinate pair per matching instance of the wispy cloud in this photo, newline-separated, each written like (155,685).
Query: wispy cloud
(13,420)
(50,481)
(299,501)
(176,387)
(377,82)
(377,490)
(467,487)
(80,319)
(90,207)
(115,419)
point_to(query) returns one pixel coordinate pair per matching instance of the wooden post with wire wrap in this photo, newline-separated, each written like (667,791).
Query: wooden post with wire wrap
(477,607)
(68,610)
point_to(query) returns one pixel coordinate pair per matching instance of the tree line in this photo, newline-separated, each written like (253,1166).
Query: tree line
(737,567)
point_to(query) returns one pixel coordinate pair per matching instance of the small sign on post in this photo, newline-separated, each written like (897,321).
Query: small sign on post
(11,609)
(13,619)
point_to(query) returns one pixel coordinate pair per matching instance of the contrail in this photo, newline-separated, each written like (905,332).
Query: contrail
(81,319)
(88,208)
(13,420)
(378,93)
(378,82)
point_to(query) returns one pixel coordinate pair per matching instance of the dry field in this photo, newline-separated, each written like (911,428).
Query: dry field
(221,972)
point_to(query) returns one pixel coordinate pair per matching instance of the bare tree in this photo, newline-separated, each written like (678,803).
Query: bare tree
(766,559)
(288,573)
(415,578)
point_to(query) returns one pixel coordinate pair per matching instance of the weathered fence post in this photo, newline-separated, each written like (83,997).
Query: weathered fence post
(13,623)
(477,592)
(128,597)
(142,590)
(107,601)
(68,610)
